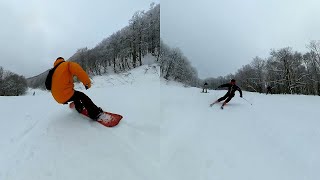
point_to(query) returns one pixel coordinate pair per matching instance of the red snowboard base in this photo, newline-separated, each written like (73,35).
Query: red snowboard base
(115,118)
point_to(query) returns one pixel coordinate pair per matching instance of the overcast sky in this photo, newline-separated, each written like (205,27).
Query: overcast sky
(218,37)
(34,33)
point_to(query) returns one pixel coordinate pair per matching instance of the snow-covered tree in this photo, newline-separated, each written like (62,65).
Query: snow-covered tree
(175,66)
(285,70)
(12,84)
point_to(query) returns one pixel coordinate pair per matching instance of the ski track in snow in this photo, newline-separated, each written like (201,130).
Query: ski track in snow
(26,131)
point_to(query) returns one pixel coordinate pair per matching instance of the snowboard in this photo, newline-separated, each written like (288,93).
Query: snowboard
(115,118)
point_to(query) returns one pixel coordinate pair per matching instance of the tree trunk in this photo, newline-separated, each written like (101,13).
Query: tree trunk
(114,65)
(134,57)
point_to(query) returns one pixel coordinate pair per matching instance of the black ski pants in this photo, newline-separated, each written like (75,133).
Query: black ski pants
(83,101)
(269,91)
(227,96)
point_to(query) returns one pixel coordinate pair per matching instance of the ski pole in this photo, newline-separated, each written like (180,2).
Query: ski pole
(247,100)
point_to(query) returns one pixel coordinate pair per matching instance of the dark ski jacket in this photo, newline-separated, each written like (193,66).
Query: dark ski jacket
(231,89)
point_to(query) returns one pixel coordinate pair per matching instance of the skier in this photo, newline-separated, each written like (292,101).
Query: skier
(62,88)
(232,88)
(205,87)
(269,88)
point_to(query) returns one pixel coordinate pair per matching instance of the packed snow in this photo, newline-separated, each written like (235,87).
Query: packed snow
(277,137)
(43,140)
(168,132)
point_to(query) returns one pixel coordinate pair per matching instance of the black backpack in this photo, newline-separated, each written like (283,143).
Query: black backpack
(49,77)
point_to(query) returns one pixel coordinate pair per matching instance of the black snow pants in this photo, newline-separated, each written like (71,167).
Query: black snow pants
(227,96)
(269,92)
(83,101)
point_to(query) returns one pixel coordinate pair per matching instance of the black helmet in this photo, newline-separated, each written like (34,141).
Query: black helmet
(233,80)
(60,58)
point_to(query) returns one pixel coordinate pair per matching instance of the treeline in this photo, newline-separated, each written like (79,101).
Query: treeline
(121,51)
(124,49)
(285,70)
(12,84)
(175,66)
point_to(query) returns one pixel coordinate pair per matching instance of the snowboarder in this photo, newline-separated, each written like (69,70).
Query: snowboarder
(205,87)
(232,88)
(269,90)
(62,88)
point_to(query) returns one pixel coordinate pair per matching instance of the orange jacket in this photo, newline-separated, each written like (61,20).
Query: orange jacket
(62,80)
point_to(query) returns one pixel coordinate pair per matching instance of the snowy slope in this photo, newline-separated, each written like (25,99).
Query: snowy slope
(276,138)
(42,140)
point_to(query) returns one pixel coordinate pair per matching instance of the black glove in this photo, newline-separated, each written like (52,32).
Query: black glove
(87,86)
